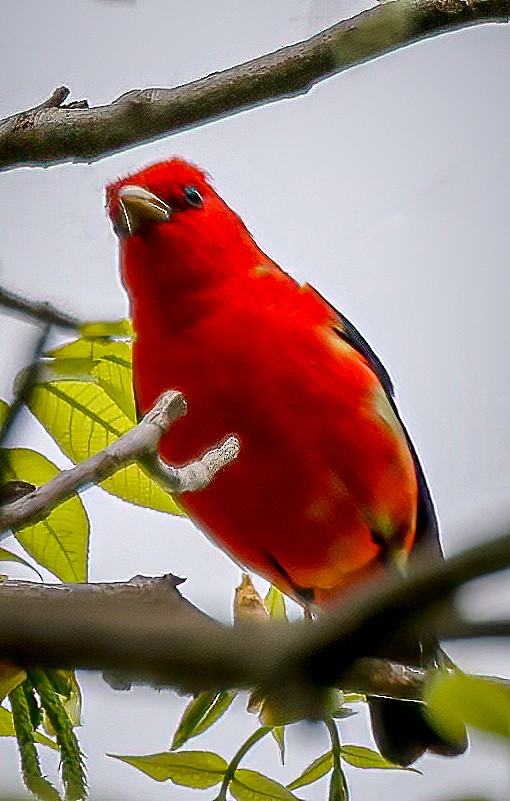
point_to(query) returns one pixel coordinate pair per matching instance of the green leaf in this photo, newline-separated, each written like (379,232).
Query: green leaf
(343,712)
(455,698)
(83,419)
(100,404)
(200,714)
(338,787)
(335,704)
(117,328)
(6,723)
(219,707)
(108,363)
(43,740)
(360,757)
(4,408)
(66,686)
(66,370)
(10,677)
(7,556)
(81,416)
(7,730)
(60,541)
(200,769)
(315,771)
(278,732)
(275,604)
(135,485)
(73,704)
(249,785)
(90,350)
(352,697)
(115,376)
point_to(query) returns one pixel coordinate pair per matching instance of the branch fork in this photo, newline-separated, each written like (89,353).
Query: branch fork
(138,444)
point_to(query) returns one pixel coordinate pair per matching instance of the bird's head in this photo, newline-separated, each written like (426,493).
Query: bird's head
(159,194)
(174,229)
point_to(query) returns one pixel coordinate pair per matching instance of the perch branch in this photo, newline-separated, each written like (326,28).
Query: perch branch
(291,662)
(139,441)
(373,676)
(51,133)
(392,607)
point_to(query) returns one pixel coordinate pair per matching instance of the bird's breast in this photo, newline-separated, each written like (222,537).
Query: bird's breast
(318,461)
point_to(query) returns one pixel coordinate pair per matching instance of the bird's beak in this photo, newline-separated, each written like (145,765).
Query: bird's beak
(137,207)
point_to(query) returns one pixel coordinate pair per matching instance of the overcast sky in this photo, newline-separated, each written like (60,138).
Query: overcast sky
(385,187)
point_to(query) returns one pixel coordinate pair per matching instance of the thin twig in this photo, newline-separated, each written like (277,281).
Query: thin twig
(24,388)
(141,440)
(460,629)
(50,133)
(34,310)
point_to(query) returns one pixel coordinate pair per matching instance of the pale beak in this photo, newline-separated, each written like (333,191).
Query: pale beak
(136,207)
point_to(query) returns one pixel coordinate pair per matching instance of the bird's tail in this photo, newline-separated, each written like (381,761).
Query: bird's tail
(403,734)
(401,730)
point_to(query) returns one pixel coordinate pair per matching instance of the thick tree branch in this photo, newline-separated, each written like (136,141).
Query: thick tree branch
(374,676)
(51,133)
(175,645)
(392,607)
(141,441)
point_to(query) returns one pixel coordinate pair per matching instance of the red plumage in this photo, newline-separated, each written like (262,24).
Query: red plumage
(327,490)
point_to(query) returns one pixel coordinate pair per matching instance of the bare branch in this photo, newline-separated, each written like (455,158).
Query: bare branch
(385,609)
(456,627)
(34,310)
(56,99)
(161,596)
(179,647)
(391,679)
(383,677)
(139,441)
(50,133)
(196,475)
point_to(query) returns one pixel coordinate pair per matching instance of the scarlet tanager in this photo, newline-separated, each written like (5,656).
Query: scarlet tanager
(327,490)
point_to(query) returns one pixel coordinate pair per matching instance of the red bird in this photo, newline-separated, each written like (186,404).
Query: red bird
(327,490)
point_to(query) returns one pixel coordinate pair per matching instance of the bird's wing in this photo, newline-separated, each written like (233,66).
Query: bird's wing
(427,527)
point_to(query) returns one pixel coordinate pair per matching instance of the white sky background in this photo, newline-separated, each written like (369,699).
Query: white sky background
(387,188)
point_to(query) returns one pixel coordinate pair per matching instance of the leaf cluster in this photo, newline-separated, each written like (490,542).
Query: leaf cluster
(83,397)
(51,700)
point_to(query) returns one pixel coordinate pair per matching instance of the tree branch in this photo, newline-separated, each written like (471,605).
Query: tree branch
(178,646)
(34,310)
(369,675)
(140,441)
(51,133)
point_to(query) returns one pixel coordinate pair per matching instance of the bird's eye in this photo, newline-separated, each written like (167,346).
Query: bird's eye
(193,197)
